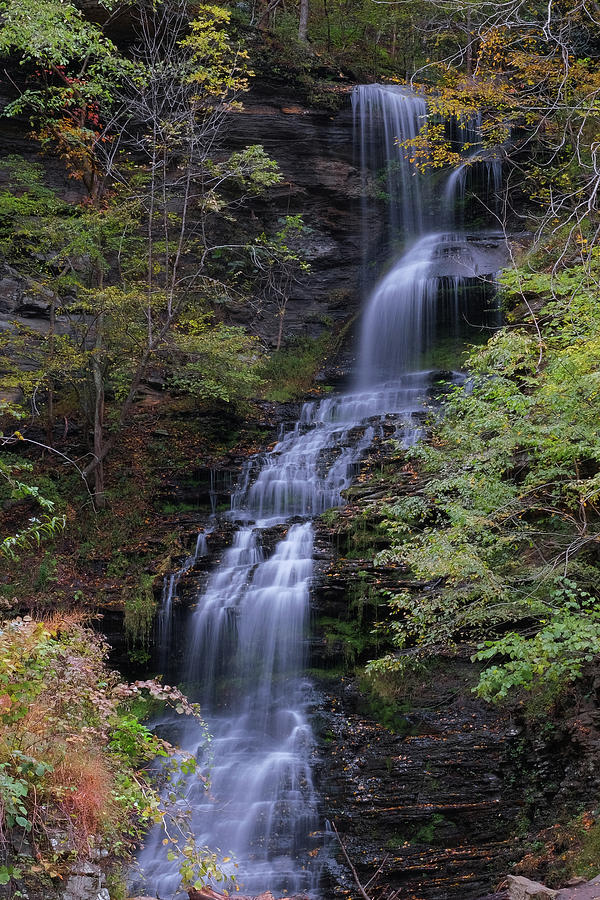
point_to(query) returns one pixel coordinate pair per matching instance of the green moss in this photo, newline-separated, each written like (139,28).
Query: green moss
(350,636)
(331,517)
(333,675)
(427,832)
(173,508)
(140,607)
(364,533)
(388,713)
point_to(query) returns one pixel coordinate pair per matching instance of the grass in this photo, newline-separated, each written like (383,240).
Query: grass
(289,373)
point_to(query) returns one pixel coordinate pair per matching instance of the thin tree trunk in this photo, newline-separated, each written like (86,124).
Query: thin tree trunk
(150,275)
(108,444)
(280,331)
(303,26)
(98,379)
(99,496)
(51,333)
(326,11)
(469,45)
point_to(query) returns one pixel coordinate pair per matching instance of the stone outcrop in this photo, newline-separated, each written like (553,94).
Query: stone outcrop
(25,303)
(586,890)
(86,881)
(314,149)
(426,793)
(520,888)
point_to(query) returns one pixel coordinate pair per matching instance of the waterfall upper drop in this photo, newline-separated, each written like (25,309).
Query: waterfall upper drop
(385,116)
(428,284)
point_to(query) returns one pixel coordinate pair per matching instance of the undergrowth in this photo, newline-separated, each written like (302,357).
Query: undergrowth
(289,373)
(501,525)
(75,756)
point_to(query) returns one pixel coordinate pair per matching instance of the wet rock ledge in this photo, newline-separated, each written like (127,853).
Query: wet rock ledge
(424,797)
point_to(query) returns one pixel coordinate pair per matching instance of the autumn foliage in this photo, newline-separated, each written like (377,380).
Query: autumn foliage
(73,752)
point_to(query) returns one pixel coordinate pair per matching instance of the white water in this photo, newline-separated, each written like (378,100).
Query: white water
(246,647)
(164,617)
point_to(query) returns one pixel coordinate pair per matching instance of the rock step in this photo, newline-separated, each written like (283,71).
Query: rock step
(431,796)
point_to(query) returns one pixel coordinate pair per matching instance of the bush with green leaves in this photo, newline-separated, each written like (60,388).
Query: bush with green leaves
(42,520)
(503,528)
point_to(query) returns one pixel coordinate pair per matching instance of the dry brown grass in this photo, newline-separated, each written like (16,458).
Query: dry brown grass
(82,783)
(65,620)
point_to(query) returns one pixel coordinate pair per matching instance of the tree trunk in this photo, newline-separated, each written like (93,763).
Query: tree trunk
(280,329)
(51,333)
(303,27)
(469,60)
(99,451)
(107,445)
(326,11)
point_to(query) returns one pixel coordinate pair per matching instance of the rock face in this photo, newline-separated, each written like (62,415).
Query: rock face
(314,150)
(23,302)
(520,888)
(426,793)
(589,890)
(436,787)
(86,882)
(422,784)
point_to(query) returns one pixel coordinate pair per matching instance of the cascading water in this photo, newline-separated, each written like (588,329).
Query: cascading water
(164,618)
(384,117)
(246,650)
(399,324)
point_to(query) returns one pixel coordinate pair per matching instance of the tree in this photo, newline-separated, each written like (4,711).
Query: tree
(303,23)
(530,74)
(170,119)
(146,258)
(279,259)
(72,72)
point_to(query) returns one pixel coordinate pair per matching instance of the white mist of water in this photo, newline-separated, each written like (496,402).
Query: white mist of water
(247,654)
(399,323)
(385,116)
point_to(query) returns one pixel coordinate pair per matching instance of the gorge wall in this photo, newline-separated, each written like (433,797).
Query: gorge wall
(321,182)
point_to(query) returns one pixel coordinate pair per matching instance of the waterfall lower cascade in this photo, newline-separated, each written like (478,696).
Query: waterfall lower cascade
(246,647)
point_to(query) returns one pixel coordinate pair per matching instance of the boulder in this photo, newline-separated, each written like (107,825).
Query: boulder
(584,890)
(520,888)
(85,882)
(208,893)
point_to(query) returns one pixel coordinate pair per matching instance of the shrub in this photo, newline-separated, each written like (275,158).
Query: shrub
(73,751)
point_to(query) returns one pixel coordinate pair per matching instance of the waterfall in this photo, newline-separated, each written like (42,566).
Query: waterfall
(164,618)
(399,323)
(247,637)
(384,117)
